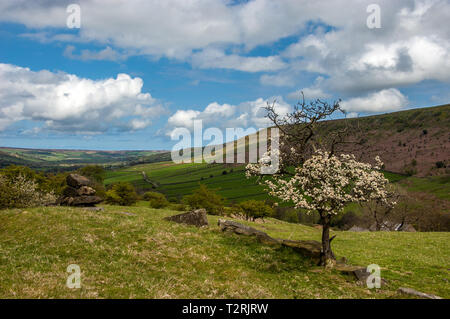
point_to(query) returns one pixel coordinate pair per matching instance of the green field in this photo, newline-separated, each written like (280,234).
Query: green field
(140,255)
(177,180)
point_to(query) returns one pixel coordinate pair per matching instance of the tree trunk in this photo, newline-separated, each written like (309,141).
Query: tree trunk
(327,256)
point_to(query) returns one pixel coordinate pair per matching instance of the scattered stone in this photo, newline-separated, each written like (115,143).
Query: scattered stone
(78,193)
(412,292)
(358,229)
(195,217)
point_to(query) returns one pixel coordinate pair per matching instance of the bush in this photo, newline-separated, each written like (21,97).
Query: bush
(122,193)
(254,209)
(21,191)
(440,164)
(157,200)
(205,198)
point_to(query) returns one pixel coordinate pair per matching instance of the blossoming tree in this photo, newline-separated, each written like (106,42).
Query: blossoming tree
(323,181)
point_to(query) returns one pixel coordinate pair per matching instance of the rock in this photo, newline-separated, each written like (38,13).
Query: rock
(81,201)
(359,273)
(412,292)
(77,181)
(262,237)
(195,217)
(358,229)
(78,193)
(228,225)
(70,191)
(308,248)
(85,190)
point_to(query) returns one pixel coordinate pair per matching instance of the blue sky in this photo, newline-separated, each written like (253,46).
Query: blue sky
(135,72)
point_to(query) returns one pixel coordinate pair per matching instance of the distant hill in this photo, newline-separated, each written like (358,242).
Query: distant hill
(411,142)
(53,159)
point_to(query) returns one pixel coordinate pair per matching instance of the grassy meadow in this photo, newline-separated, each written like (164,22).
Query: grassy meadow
(131,252)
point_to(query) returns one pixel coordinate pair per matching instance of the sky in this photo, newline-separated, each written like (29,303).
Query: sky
(129,74)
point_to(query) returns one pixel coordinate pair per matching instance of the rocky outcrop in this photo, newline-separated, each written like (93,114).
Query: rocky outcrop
(308,248)
(196,217)
(230,226)
(78,192)
(412,292)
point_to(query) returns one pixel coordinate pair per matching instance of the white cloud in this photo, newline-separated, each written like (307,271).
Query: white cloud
(214,58)
(382,101)
(412,46)
(310,93)
(282,79)
(107,54)
(245,115)
(67,103)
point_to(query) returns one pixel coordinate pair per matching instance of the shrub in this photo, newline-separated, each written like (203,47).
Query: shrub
(157,200)
(440,164)
(21,191)
(205,198)
(254,209)
(122,193)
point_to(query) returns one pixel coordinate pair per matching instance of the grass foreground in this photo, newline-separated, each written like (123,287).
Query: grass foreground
(131,252)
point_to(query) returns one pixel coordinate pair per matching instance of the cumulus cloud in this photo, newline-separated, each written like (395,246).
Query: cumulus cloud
(65,102)
(245,115)
(411,47)
(382,101)
(334,41)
